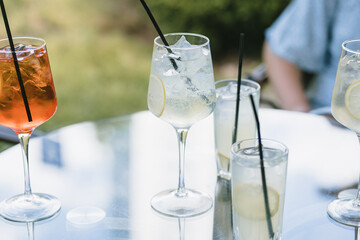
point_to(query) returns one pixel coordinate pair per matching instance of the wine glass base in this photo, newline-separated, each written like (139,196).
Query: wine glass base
(29,208)
(188,204)
(344,211)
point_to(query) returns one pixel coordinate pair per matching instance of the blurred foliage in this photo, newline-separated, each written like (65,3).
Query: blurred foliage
(100,51)
(221,20)
(99,70)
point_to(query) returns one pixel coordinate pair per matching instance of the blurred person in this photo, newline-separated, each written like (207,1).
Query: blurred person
(307,37)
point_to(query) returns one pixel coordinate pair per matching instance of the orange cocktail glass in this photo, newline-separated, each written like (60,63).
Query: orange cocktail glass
(34,66)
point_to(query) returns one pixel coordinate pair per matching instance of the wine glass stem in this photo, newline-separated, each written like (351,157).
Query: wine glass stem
(357,200)
(181,228)
(182,135)
(30,228)
(24,142)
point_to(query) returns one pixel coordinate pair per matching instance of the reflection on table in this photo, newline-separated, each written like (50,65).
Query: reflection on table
(106,172)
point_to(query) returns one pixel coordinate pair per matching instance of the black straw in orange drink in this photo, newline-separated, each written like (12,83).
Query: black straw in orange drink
(37,79)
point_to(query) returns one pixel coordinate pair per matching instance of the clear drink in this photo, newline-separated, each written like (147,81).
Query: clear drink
(249,216)
(186,95)
(224,117)
(181,92)
(345,107)
(345,104)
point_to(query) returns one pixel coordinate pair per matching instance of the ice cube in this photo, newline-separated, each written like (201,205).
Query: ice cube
(176,52)
(246,90)
(5,53)
(182,43)
(227,92)
(205,51)
(202,79)
(22,51)
(39,52)
(185,51)
(352,63)
(31,68)
(20,47)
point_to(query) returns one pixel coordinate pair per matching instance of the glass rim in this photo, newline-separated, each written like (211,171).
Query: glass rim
(28,38)
(258,87)
(348,49)
(207,41)
(285,150)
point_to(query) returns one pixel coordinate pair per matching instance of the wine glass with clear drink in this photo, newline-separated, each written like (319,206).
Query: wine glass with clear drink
(34,66)
(181,92)
(345,107)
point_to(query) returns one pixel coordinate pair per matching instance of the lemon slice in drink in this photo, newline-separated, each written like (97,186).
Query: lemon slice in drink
(249,201)
(352,100)
(156,95)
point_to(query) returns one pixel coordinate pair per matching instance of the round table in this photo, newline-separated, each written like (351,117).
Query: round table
(105,173)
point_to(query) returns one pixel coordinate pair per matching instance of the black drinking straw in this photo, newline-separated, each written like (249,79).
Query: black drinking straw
(234,135)
(147,9)
(262,168)
(26,103)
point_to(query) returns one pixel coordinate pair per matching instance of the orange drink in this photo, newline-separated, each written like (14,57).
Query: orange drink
(39,88)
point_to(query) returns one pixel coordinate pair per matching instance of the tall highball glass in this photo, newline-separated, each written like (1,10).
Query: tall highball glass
(39,89)
(345,107)
(181,92)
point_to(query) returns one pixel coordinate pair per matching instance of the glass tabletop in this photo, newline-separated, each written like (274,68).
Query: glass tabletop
(105,173)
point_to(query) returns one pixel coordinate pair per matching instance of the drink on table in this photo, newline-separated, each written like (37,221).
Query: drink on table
(36,76)
(181,92)
(224,118)
(249,215)
(40,94)
(184,96)
(345,107)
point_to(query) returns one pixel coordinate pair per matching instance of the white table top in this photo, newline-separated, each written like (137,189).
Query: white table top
(118,164)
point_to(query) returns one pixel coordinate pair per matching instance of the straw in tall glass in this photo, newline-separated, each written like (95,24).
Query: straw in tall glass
(181,92)
(345,107)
